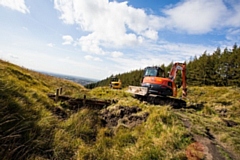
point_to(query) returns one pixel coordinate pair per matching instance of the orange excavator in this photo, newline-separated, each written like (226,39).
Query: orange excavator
(155,87)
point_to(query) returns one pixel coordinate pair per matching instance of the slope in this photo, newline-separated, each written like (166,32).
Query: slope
(26,121)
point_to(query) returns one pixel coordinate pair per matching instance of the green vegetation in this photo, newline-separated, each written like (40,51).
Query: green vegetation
(31,129)
(218,69)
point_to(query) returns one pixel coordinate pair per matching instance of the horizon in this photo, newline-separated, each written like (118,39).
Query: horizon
(62,74)
(97,39)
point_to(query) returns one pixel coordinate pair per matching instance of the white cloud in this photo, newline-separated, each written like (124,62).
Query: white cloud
(108,24)
(234,15)
(202,16)
(65,7)
(88,57)
(18,5)
(183,51)
(67,39)
(197,16)
(25,28)
(13,56)
(90,44)
(50,45)
(116,25)
(116,54)
(152,34)
(127,24)
(233,35)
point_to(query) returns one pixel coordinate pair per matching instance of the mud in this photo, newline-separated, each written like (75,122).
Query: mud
(123,115)
(60,113)
(110,116)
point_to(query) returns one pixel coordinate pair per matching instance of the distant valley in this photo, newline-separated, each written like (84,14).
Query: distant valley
(81,80)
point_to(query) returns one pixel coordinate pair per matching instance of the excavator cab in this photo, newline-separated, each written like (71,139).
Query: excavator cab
(153,72)
(154,79)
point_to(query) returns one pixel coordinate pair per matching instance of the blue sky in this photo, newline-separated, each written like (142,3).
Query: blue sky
(98,38)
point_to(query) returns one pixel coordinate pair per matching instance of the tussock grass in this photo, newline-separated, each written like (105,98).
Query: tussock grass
(65,144)
(27,126)
(84,124)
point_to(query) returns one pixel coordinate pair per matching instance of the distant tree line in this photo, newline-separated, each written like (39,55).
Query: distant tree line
(130,78)
(221,68)
(218,69)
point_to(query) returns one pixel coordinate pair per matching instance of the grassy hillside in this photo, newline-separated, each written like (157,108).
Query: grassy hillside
(27,125)
(30,127)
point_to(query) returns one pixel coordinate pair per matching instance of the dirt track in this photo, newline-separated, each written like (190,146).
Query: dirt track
(212,149)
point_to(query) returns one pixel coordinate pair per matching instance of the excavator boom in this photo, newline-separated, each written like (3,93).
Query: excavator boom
(173,74)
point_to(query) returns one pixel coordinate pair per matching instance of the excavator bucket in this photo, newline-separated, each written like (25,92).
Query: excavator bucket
(137,90)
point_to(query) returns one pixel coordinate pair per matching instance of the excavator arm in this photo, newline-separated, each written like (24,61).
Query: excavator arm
(173,73)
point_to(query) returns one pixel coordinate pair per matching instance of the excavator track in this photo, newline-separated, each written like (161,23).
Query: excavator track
(161,100)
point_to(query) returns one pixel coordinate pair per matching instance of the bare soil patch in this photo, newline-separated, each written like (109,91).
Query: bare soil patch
(123,115)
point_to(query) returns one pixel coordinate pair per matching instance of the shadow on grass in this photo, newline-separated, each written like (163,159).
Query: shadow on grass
(196,107)
(19,130)
(224,103)
(159,100)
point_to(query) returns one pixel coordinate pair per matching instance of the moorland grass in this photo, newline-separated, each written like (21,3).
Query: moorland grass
(30,130)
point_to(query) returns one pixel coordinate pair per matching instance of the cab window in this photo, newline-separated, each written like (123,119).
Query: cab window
(151,72)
